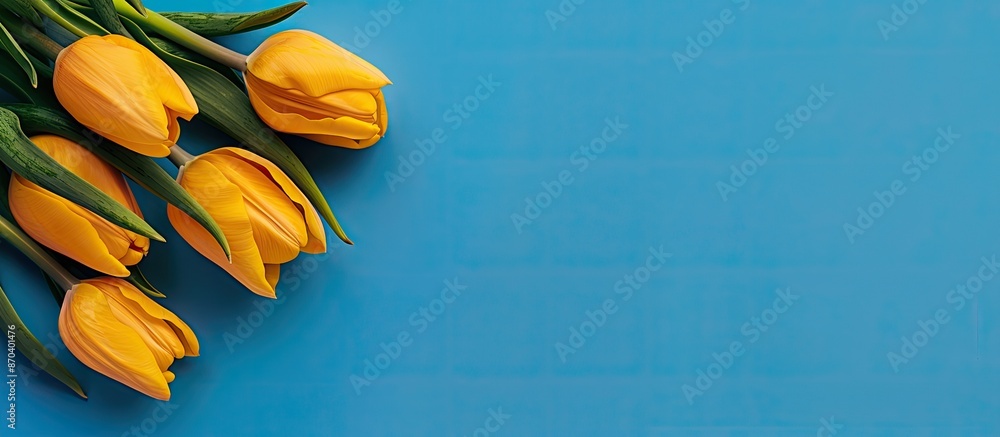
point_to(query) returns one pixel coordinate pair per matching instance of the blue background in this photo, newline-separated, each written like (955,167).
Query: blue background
(495,347)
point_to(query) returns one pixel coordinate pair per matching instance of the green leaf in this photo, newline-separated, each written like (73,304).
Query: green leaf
(31,348)
(140,282)
(107,16)
(216,24)
(27,160)
(14,50)
(69,18)
(24,10)
(142,169)
(227,108)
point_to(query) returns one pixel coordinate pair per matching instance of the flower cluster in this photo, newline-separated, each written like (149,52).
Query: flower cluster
(105,106)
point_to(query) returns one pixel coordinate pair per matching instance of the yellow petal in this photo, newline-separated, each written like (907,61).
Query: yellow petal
(360,104)
(119,89)
(314,225)
(63,226)
(224,202)
(278,226)
(166,330)
(273,273)
(305,61)
(98,339)
(296,123)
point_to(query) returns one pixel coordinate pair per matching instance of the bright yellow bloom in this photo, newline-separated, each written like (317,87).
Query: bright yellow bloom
(121,90)
(70,229)
(264,216)
(303,84)
(113,328)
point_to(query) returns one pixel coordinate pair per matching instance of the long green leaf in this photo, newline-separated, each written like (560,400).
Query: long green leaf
(227,108)
(30,347)
(69,18)
(14,50)
(142,169)
(24,10)
(27,160)
(219,24)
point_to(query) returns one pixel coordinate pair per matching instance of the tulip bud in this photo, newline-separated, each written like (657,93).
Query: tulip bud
(121,90)
(303,84)
(68,228)
(115,329)
(264,216)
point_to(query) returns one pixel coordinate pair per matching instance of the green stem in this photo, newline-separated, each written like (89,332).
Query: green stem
(25,33)
(179,156)
(183,36)
(29,248)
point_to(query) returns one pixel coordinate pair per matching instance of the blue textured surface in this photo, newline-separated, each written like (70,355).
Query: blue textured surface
(656,184)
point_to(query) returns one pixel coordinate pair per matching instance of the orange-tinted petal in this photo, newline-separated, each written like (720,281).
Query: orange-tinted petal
(65,227)
(97,338)
(224,202)
(314,225)
(305,61)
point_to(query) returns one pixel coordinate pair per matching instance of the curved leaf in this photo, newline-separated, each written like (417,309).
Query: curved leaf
(227,108)
(219,24)
(23,9)
(140,282)
(14,50)
(69,18)
(27,160)
(31,348)
(142,169)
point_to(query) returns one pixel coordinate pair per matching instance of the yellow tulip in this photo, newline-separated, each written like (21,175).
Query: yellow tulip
(303,84)
(264,216)
(68,228)
(113,328)
(121,90)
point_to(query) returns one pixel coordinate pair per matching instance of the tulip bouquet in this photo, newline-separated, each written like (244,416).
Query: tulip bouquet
(100,87)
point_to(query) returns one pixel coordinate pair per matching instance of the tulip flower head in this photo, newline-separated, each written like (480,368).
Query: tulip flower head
(115,329)
(121,90)
(304,84)
(68,228)
(266,219)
